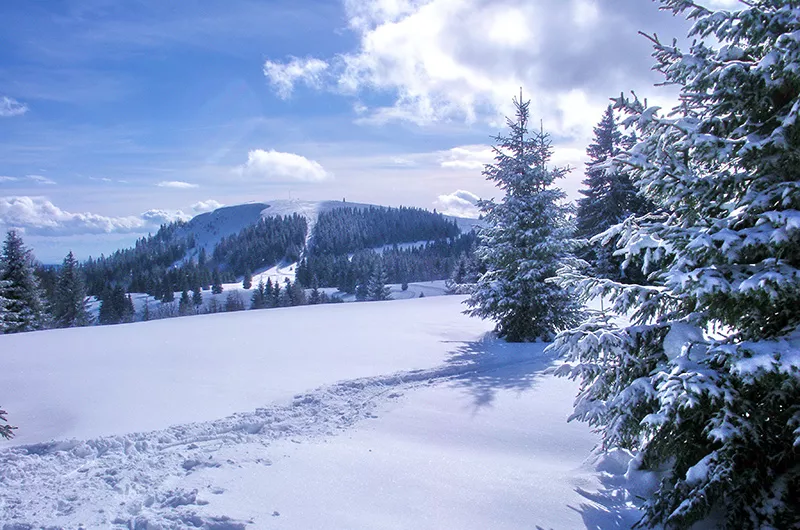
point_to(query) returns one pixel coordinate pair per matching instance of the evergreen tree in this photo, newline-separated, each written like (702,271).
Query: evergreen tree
(233,302)
(298,294)
(376,288)
(216,285)
(128,310)
(285,298)
(362,292)
(115,306)
(315,297)
(259,298)
(24,310)
(70,305)
(197,296)
(167,292)
(704,384)
(609,198)
(6,430)
(185,303)
(146,310)
(527,240)
(247,282)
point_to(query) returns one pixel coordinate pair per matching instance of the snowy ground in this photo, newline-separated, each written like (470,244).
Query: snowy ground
(373,415)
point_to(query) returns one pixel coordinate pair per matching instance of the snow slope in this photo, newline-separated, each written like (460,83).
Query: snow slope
(373,415)
(149,375)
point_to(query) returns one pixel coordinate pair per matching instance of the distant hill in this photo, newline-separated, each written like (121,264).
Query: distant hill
(413,244)
(209,228)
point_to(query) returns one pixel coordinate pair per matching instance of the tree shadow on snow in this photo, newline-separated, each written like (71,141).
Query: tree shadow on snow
(493,365)
(607,509)
(609,506)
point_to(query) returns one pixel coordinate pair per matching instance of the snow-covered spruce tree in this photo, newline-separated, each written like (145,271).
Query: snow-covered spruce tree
(705,383)
(609,197)
(23,307)
(527,239)
(70,304)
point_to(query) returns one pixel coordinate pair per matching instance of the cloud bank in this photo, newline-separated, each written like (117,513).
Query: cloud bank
(39,216)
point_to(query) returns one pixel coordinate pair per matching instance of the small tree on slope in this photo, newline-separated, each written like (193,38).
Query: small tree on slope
(526,241)
(376,287)
(70,304)
(705,383)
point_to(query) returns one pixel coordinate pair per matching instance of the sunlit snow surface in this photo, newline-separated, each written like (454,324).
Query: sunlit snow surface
(402,414)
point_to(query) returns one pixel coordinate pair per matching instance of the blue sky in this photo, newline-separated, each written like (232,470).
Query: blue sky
(118,115)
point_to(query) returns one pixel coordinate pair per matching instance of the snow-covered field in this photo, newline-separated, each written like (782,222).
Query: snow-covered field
(403,414)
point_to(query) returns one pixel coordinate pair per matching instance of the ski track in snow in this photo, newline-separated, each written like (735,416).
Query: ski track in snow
(124,481)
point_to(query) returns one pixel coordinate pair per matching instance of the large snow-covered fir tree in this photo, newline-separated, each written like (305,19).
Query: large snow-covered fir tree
(527,239)
(24,310)
(705,382)
(69,306)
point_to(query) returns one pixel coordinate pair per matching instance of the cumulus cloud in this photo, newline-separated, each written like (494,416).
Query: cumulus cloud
(11,107)
(284,76)
(275,166)
(444,60)
(473,157)
(206,206)
(460,203)
(176,184)
(39,216)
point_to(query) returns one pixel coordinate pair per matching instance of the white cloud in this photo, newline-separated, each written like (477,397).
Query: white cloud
(466,157)
(39,216)
(176,184)
(156,217)
(275,166)
(11,107)
(284,76)
(460,203)
(40,179)
(435,61)
(206,206)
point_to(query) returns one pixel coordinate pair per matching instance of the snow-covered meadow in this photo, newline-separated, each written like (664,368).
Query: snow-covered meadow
(368,415)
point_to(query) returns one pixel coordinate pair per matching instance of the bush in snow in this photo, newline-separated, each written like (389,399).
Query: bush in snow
(526,240)
(705,383)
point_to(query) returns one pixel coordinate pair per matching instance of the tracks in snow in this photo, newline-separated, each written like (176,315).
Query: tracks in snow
(124,481)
